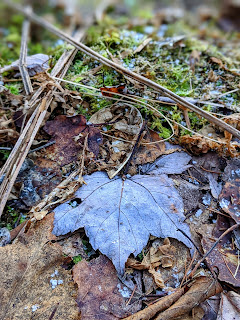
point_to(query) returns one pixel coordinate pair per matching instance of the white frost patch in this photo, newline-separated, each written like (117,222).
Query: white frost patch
(116,150)
(55,273)
(55,282)
(125,292)
(206,199)
(198,213)
(114,143)
(35,307)
(224,203)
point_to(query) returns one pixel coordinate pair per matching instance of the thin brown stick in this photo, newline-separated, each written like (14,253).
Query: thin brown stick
(79,45)
(211,249)
(23,56)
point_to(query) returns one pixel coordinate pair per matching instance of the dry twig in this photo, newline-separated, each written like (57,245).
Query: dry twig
(23,56)
(201,289)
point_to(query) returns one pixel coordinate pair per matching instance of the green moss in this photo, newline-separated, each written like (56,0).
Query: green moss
(12,217)
(167,64)
(158,126)
(17,19)
(99,103)
(14,88)
(76,259)
(83,111)
(5,154)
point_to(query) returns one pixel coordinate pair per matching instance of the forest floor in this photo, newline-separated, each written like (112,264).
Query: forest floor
(119,155)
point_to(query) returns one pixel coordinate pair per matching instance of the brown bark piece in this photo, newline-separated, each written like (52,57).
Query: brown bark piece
(162,304)
(33,283)
(201,289)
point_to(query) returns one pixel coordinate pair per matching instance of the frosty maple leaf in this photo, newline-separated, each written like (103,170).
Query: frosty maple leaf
(119,216)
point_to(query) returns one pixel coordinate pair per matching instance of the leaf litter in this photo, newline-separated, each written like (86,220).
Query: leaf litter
(119,216)
(115,152)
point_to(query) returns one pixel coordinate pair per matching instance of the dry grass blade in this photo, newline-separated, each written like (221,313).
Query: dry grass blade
(13,164)
(179,100)
(23,56)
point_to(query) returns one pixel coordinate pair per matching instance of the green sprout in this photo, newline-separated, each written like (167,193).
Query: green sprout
(77,259)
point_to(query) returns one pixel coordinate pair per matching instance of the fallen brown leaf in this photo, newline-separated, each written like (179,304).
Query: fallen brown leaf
(222,257)
(164,261)
(100,294)
(63,131)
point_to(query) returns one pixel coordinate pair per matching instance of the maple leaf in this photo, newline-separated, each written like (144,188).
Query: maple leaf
(119,216)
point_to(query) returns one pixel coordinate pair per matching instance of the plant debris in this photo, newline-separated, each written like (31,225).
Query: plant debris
(129,133)
(36,63)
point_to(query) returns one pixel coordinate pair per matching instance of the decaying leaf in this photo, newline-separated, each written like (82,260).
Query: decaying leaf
(63,130)
(119,216)
(211,307)
(215,186)
(223,65)
(222,257)
(35,64)
(149,151)
(33,282)
(101,295)
(155,257)
(229,198)
(110,91)
(164,262)
(223,144)
(37,180)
